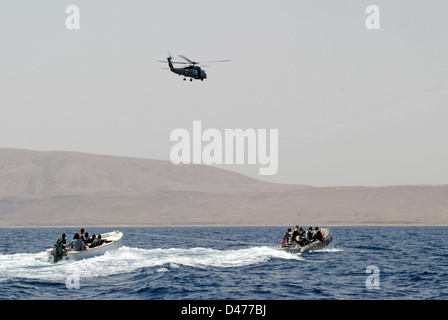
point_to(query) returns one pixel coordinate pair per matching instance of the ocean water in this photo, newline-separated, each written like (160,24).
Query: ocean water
(230,263)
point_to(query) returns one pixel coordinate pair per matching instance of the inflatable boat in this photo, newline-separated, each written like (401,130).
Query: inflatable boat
(308,244)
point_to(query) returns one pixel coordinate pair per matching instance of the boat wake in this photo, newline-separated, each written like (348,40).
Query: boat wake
(331,249)
(129,259)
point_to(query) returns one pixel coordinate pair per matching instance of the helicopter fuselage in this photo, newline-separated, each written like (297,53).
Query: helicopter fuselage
(192,71)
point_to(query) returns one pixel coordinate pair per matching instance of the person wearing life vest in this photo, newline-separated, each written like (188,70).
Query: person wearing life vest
(81,234)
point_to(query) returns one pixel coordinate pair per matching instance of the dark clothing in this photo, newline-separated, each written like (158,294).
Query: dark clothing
(77,245)
(61,242)
(58,249)
(309,235)
(295,234)
(96,242)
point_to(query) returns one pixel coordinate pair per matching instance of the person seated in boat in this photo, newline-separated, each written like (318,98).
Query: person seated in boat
(80,234)
(300,240)
(76,244)
(317,234)
(90,241)
(287,239)
(296,236)
(96,242)
(309,234)
(87,240)
(295,233)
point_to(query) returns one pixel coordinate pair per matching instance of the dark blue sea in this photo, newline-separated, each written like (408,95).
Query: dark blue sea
(230,263)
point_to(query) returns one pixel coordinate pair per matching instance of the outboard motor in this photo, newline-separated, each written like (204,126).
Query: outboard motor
(56,253)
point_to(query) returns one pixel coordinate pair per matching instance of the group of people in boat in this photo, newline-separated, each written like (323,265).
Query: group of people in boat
(81,241)
(302,237)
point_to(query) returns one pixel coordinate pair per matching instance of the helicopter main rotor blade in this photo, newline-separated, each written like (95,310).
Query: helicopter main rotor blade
(217,61)
(164,61)
(196,62)
(185,58)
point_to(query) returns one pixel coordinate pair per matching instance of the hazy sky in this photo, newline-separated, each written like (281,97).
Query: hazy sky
(352,106)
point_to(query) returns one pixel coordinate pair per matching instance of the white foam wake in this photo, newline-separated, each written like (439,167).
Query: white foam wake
(127,259)
(331,249)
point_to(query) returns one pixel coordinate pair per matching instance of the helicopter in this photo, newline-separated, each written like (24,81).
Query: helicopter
(192,71)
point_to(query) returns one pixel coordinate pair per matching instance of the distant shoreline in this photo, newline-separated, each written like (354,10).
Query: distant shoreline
(59,189)
(213,226)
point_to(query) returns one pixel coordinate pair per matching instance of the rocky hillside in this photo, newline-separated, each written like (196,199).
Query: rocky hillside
(69,188)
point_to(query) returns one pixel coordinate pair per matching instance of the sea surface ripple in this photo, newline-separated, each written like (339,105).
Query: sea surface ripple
(231,263)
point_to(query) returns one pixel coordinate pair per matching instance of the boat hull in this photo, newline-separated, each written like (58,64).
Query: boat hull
(116,241)
(316,245)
